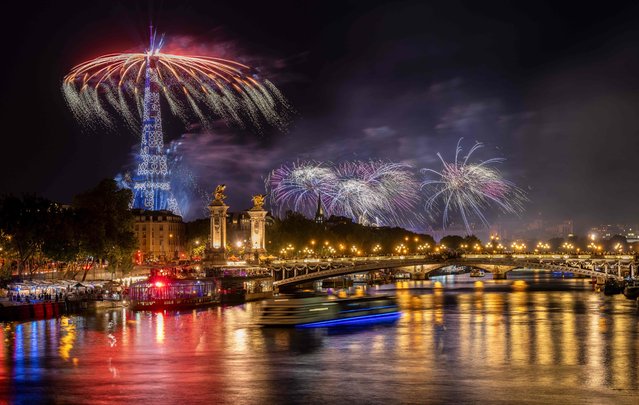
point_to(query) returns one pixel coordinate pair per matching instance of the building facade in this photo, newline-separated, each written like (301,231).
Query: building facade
(161,236)
(238,225)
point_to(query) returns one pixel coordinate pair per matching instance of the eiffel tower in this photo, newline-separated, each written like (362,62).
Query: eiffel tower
(152,186)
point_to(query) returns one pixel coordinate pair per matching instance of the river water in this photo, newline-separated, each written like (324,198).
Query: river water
(529,339)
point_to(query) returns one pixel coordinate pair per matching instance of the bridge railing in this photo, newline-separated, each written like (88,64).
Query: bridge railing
(348,259)
(527,256)
(546,256)
(292,271)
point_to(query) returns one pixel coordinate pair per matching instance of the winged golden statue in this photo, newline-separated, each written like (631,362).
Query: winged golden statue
(219,192)
(258,200)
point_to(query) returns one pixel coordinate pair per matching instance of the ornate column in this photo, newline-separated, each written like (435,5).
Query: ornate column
(257,243)
(217,243)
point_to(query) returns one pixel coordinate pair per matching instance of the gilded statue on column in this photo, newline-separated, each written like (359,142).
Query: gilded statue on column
(219,192)
(258,200)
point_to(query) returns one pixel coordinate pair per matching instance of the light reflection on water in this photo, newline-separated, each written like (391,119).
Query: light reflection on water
(528,339)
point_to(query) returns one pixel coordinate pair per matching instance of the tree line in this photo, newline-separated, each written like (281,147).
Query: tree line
(97,228)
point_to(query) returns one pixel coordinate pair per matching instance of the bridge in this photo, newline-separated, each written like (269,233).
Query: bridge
(293,272)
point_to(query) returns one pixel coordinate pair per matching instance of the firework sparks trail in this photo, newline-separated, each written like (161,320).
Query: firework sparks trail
(373,192)
(200,87)
(471,188)
(298,186)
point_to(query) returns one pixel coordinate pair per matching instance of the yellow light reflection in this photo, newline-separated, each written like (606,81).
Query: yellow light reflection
(569,343)
(159,328)
(519,330)
(239,341)
(545,344)
(496,351)
(68,338)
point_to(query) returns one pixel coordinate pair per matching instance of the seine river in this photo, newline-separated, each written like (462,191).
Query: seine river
(529,339)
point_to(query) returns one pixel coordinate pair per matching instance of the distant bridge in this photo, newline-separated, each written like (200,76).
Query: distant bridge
(293,272)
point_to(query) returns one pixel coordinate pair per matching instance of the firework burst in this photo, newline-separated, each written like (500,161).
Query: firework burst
(372,192)
(298,186)
(375,192)
(194,86)
(471,188)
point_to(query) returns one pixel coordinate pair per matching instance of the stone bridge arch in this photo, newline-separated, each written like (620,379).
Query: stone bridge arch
(497,270)
(498,267)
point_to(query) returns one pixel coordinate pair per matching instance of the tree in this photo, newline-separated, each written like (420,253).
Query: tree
(197,236)
(616,243)
(25,222)
(471,241)
(453,242)
(338,237)
(556,244)
(62,236)
(106,224)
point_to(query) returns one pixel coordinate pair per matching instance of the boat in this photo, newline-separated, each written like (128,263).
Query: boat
(477,273)
(242,284)
(631,290)
(562,274)
(159,293)
(312,311)
(612,287)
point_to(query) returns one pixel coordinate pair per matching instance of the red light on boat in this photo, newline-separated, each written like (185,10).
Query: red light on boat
(159,284)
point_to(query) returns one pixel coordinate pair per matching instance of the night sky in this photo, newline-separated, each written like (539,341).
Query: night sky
(552,88)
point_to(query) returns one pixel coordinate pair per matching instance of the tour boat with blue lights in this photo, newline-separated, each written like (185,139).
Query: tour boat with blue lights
(159,293)
(313,311)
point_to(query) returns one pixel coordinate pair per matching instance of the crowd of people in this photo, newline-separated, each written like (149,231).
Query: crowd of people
(20,294)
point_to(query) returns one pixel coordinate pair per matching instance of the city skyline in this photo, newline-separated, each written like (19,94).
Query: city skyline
(395,83)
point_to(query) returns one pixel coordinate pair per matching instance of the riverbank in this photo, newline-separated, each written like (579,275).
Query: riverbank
(12,311)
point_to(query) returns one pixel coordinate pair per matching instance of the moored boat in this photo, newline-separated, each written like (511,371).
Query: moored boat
(173,293)
(477,273)
(613,287)
(631,290)
(321,311)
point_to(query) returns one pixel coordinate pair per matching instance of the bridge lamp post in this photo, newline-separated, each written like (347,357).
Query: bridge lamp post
(377,248)
(518,246)
(290,249)
(543,246)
